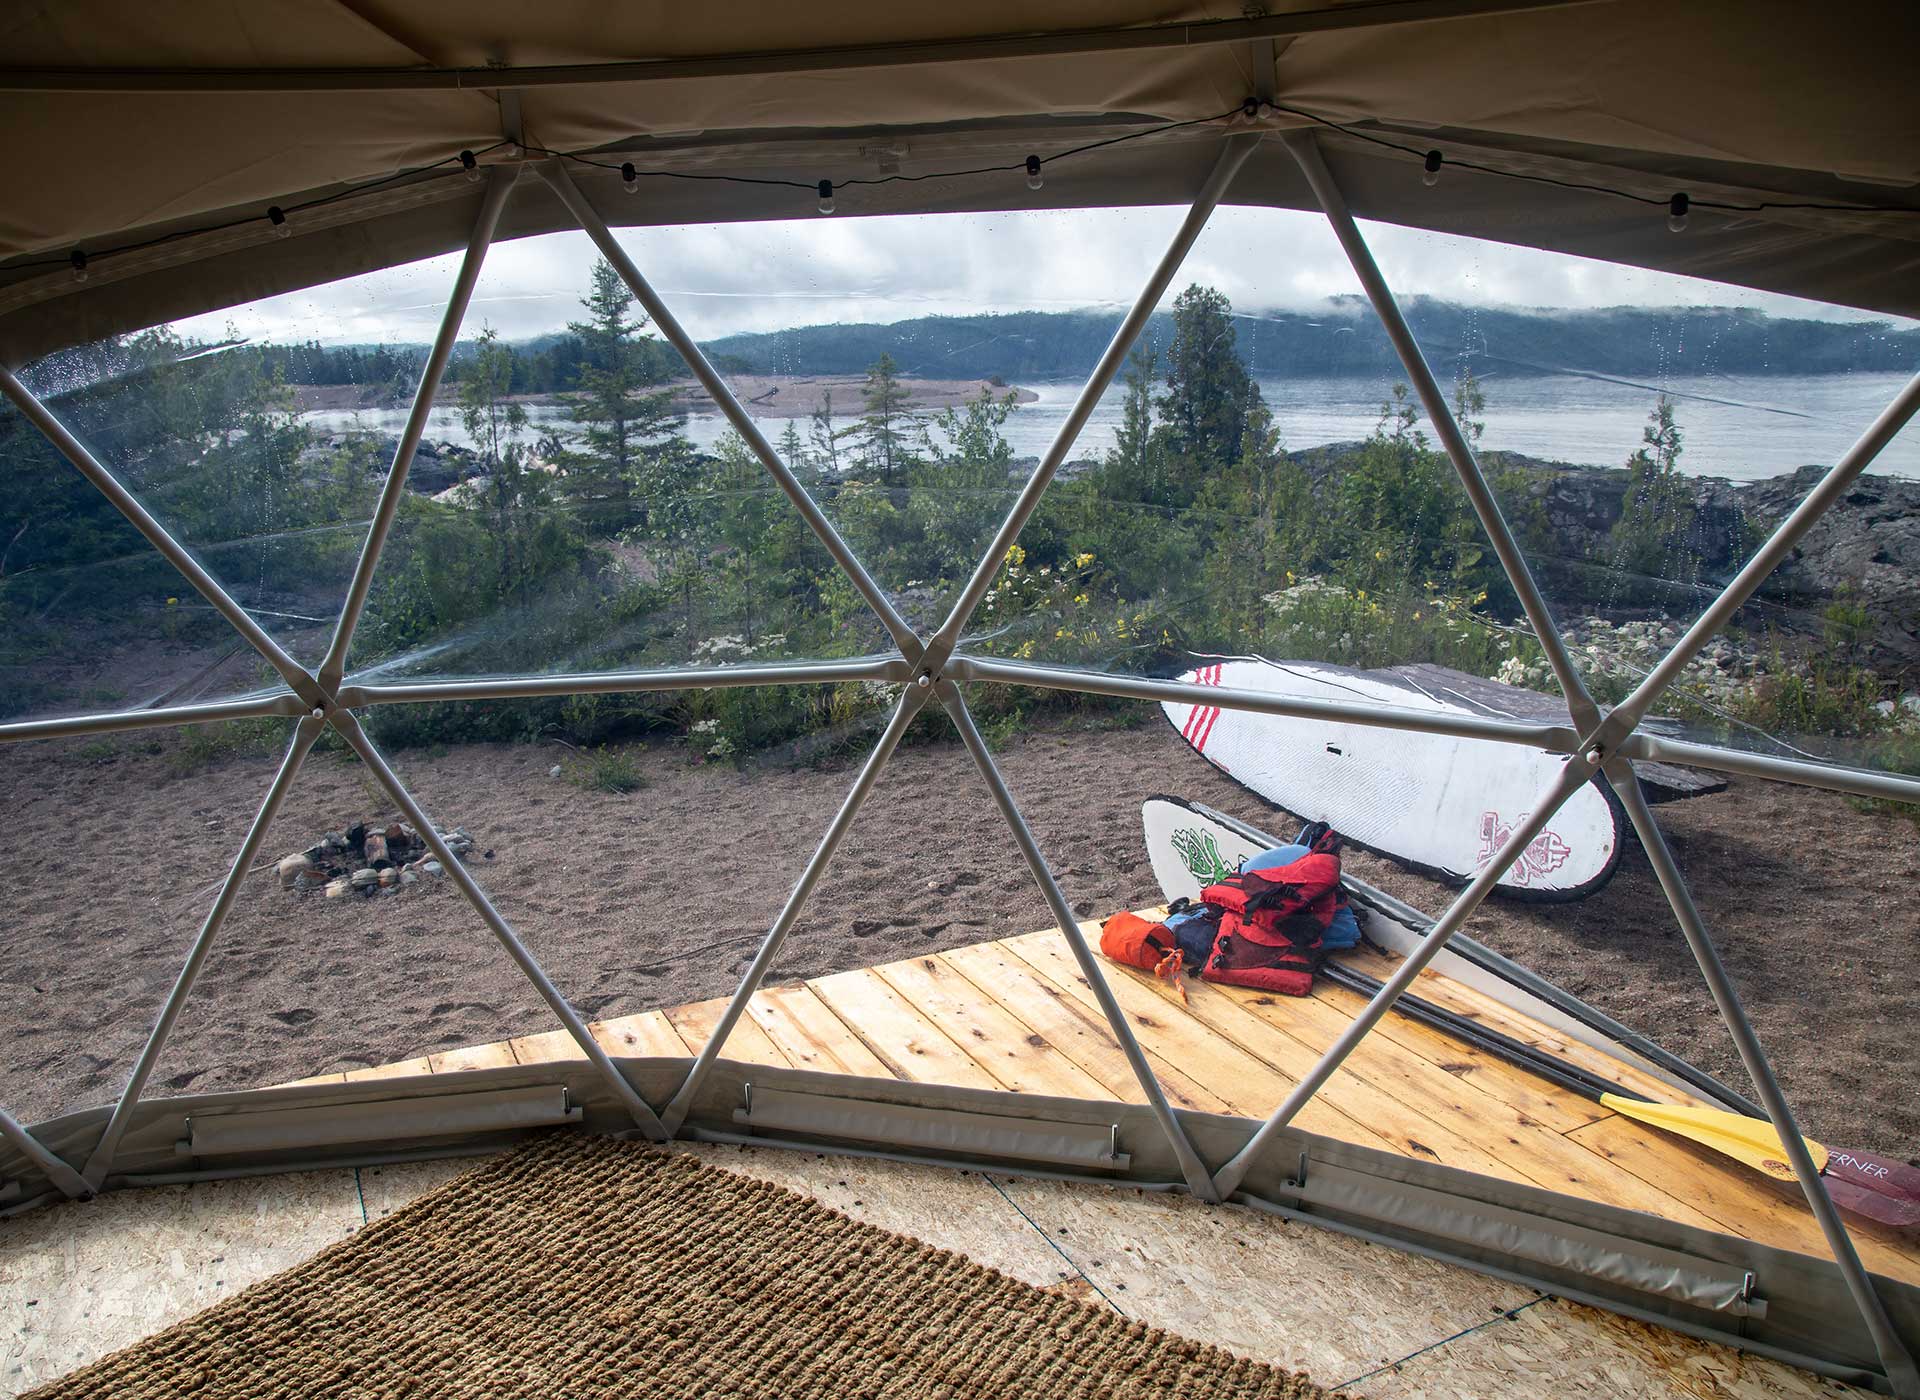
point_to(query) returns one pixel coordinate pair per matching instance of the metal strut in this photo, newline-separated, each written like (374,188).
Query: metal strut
(1191,1167)
(911,701)
(100,1162)
(1894,1355)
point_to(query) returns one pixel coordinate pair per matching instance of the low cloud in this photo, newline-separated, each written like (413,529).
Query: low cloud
(752,277)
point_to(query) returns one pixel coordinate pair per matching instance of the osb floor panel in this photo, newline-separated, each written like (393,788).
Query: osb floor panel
(79,1281)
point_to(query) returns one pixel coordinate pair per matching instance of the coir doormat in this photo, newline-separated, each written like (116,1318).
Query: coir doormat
(582,1266)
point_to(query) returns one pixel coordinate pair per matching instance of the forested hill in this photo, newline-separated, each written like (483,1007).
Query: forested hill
(1345,338)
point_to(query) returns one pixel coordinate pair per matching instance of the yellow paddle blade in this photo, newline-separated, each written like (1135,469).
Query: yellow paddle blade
(1749,1140)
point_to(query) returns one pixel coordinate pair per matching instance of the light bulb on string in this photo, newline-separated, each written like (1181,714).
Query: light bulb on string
(826,196)
(629,178)
(471,165)
(278,218)
(1677,213)
(1431,175)
(78,259)
(1034,178)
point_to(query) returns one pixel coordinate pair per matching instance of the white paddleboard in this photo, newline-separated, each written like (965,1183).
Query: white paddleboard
(1442,805)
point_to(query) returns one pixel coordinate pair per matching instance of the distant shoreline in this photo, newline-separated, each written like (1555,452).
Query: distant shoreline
(768,395)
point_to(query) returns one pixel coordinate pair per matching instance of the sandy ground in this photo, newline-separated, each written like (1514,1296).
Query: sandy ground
(624,898)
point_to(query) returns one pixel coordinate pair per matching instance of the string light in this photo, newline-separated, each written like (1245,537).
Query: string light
(278,218)
(468,163)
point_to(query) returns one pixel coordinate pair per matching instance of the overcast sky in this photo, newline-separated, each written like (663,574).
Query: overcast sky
(749,277)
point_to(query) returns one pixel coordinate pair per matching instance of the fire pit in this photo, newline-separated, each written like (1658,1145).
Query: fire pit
(368,859)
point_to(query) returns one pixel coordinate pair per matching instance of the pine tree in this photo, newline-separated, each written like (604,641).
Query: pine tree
(634,460)
(513,491)
(882,434)
(1209,392)
(823,438)
(1656,514)
(1135,464)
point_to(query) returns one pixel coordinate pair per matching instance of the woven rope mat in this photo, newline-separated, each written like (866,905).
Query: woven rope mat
(581,1266)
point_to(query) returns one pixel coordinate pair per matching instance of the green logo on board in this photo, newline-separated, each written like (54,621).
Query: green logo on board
(1201,856)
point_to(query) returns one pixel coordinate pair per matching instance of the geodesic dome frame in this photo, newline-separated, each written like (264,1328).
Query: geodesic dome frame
(1214,1160)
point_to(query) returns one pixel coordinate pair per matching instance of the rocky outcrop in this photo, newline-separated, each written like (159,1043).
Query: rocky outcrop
(1857,570)
(1856,573)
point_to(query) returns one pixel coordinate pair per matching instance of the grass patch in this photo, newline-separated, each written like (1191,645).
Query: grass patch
(605,770)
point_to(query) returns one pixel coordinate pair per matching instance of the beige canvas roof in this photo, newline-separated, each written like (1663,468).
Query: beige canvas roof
(130,122)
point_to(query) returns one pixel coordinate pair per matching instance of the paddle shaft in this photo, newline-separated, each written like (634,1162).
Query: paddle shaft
(1379,902)
(1878,1188)
(1515,1052)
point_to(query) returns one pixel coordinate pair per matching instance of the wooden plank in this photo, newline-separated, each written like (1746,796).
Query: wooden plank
(548,1047)
(1521,1144)
(399,1069)
(911,1046)
(1736,1199)
(1252,1083)
(1002,1044)
(336,1077)
(695,1022)
(811,1036)
(1526,1093)
(1076,1031)
(496,1055)
(648,1033)
(1478,1006)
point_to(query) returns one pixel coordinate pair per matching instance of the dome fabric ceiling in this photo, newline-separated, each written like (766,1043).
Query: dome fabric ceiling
(241,106)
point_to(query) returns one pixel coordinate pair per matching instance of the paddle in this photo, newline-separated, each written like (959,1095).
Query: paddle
(1876,1188)
(1880,1189)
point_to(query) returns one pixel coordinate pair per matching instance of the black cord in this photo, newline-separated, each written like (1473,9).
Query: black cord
(81,260)
(1662,201)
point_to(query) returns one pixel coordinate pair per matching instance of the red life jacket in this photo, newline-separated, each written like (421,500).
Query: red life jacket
(1272,924)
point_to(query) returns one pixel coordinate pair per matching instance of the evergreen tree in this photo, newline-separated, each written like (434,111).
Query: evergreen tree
(1656,515)
(631,439)
(1469,403)
(882,434)
(824,438)
(516,493)
(1135,466)
(1209,392)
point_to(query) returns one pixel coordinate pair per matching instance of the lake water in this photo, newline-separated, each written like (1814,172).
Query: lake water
(1741,427)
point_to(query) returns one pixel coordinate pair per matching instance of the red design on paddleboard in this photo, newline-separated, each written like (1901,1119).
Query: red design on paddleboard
(1202,718)
(1544,854)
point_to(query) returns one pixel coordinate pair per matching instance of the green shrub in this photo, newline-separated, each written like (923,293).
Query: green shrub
(606,770)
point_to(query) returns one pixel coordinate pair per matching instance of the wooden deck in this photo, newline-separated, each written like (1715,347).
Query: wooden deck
(1016,1014)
